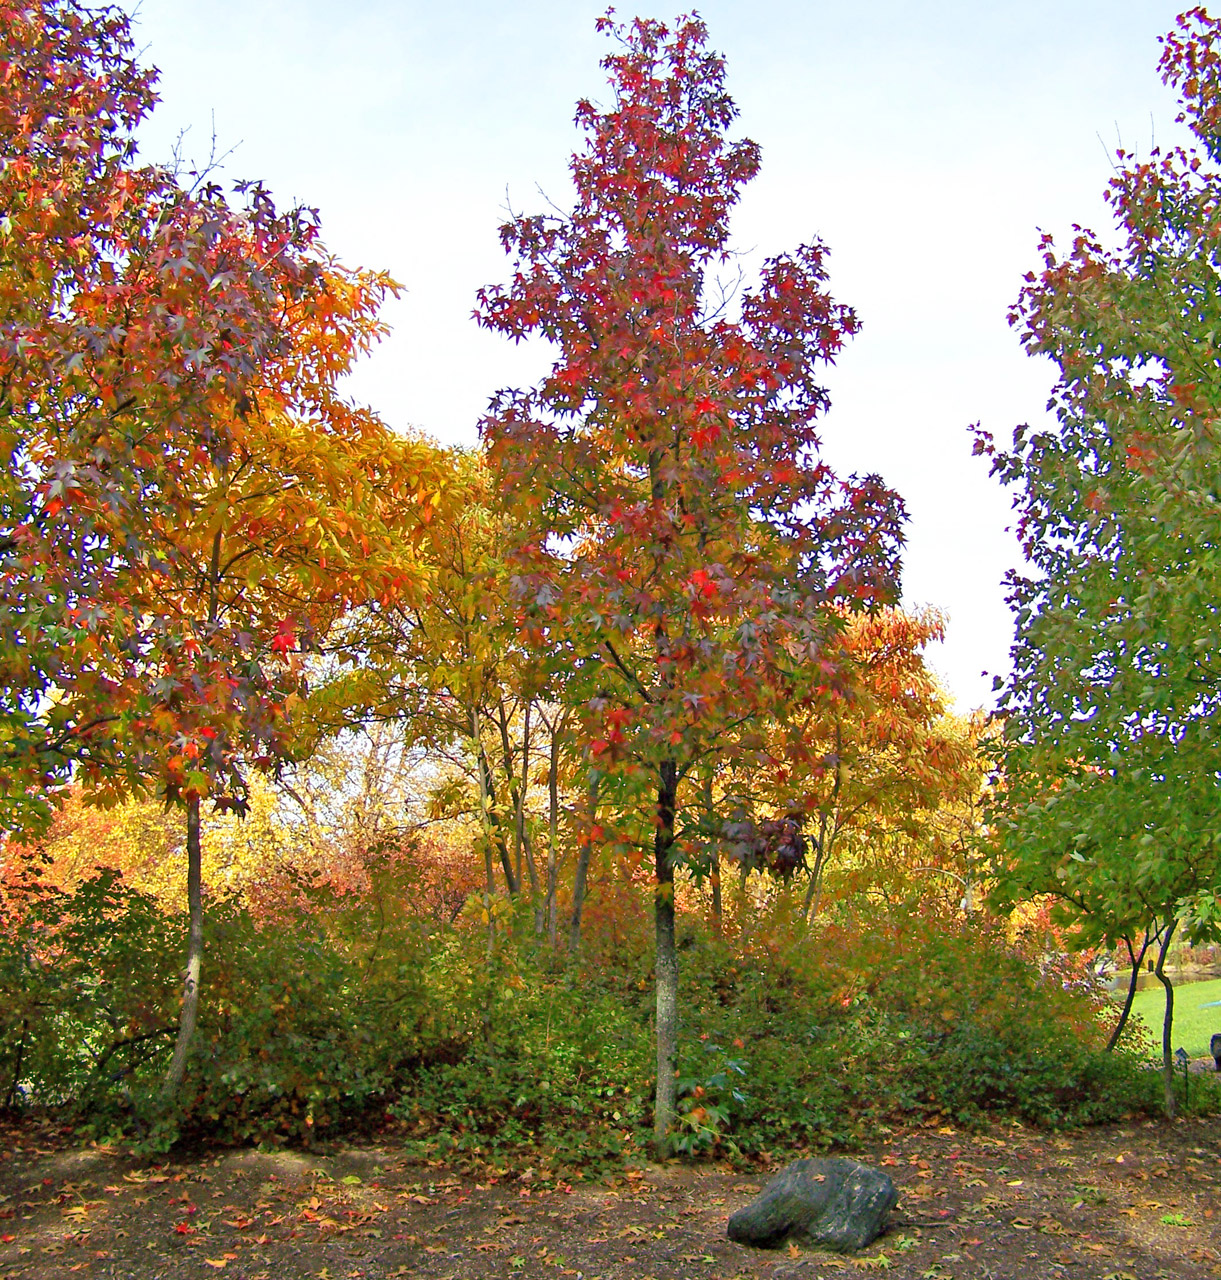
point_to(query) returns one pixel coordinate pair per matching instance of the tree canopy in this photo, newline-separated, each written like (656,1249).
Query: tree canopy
(1111,761)
(675,520)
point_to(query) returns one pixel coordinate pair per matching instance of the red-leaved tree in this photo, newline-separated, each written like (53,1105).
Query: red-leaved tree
(677,524)
(190,499)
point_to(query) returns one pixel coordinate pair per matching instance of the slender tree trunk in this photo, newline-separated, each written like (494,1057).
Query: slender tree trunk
(517,790)
(553,833)
(488,816)
(11,1097)
(665,957)
(485,809)
(809,908)
(579,886)
(522,838)
(1167,1020)
(714,858)
(489,897)
(580,883)
(1136,958)
(190,985)
(825,840)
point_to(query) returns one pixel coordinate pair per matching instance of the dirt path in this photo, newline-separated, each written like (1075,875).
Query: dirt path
(1116,1203)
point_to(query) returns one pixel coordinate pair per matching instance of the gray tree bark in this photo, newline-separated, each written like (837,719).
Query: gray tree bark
(665,957)
(190,984)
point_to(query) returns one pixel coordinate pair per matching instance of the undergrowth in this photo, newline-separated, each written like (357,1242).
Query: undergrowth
(313,1025)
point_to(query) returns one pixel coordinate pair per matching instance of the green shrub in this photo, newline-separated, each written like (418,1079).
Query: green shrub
(311,1021)
(88,997)
(560,1069)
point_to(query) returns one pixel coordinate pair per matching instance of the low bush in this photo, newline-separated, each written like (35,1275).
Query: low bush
(312,1021)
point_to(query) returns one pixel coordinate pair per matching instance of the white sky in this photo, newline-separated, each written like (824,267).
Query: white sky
(924,142)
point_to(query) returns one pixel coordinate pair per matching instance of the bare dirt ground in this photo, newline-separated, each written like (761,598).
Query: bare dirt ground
(1130,1202)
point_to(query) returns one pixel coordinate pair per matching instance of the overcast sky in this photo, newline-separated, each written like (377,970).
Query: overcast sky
(925,143)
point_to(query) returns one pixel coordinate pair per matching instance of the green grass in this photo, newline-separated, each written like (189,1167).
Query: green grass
(1193,1026)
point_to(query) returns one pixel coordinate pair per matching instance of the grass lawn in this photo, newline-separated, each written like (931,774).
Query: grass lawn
(1193,1025)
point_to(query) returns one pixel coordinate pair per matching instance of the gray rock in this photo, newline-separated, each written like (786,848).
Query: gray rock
(838,1204)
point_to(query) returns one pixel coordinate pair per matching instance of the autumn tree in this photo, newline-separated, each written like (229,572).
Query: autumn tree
(446,669)
(873,762)
(191,498)
(679,532)
(1111,761)
(71,96)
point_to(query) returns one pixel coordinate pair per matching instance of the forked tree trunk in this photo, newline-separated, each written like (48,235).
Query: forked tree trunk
(518,792)
(1167,1020)
(827,830)
(809,908)
(190,985)
(1136,958)
(489,819)
(665,957)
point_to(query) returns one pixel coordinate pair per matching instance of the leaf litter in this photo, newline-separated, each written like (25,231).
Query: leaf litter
(1034,1205)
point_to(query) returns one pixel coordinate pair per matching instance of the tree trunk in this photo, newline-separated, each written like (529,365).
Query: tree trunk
(485,809)
(714,858)
(190,985)
(518,792)
(488,817)
(581,880)
(553,832)
(523,840)
(1127,1004)
(578,899)
(1167,1020)
(809,908)
(10,1101)
(665,957)
(825,839)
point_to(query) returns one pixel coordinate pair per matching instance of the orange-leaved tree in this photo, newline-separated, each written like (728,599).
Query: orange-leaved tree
(251,554)
(872,762)
(682,549)
(191,501)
